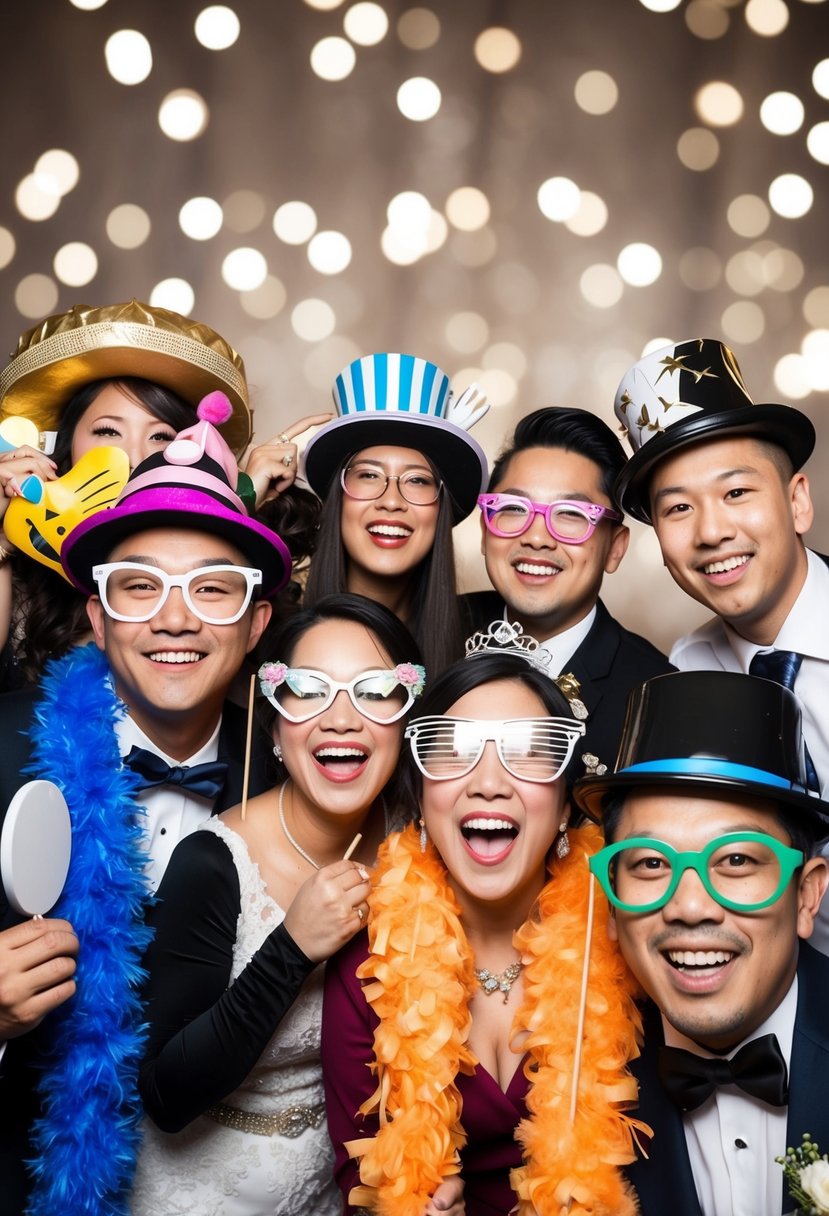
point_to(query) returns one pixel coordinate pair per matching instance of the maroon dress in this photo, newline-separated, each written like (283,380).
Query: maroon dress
(489,1115)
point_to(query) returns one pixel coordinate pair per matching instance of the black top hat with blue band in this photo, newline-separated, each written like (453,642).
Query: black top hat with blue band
(403,401)
(710,732)
(684,394)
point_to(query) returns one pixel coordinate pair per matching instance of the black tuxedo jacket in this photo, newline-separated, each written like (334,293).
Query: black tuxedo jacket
(664,1182)
(18,1066)
(610,661)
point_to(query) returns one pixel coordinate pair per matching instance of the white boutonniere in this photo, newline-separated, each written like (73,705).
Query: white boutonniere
(807,1173)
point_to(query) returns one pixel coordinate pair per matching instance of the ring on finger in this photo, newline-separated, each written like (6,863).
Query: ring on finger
(360,913)
(288,460)
(283,438)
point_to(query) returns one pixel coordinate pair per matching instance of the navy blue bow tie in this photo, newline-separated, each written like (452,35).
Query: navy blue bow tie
(205,779)
(758,1068)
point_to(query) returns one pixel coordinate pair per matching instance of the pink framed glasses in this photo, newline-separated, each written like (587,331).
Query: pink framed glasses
(570,522)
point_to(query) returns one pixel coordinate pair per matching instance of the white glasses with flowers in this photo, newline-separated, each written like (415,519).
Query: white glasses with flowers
(300,693)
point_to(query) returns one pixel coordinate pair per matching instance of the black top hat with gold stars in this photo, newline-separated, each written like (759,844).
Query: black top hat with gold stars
(684,394)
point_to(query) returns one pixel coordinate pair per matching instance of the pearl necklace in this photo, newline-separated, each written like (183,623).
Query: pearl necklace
(490,982)
(281,812)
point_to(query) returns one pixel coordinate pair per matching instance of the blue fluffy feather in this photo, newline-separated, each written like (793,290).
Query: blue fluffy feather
(86,1140)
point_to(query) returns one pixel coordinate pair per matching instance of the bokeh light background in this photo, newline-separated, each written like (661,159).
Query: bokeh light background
(530,193)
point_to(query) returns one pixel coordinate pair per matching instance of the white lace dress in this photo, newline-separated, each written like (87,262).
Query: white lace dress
(213,1170)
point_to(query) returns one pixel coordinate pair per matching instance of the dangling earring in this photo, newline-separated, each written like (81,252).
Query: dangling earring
(277,751)
(424,839)
(563,842)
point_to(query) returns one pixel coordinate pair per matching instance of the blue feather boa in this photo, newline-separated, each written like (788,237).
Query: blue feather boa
(87,1137)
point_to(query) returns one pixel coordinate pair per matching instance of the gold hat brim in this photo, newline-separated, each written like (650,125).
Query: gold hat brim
(63,353)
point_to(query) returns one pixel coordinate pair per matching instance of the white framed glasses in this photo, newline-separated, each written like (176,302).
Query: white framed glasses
(217,595)
(300,693)
(572,522)
(532,749)
(368,481)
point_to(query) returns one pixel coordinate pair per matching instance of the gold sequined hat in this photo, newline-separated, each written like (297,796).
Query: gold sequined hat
(66,351)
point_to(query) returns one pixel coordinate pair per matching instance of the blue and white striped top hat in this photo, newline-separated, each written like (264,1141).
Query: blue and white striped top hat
(403,401)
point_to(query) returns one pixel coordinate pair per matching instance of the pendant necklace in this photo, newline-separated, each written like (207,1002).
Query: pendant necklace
(490,982)
(281,812)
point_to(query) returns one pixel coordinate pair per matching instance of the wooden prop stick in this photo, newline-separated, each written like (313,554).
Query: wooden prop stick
(248,741)
(352,846)
(588,939)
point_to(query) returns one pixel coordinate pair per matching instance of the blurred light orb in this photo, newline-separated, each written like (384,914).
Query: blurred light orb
(312,320)
(791,196)
(507,357)
(7,247)
(418,99)
(499,385)
(782,113)
(37,196)
(817,141)
(815,351)
(820,78)
(324,6)
(75,264)
(660,6)
(700,269)
(128,226)
(656,344)
(743,322)
(791,377)
(333,58)
(176,294)
(265,301)
(437,231)
(366,24)
(217,27)
(639,264)
(591,216)
(783,270)
(403,246)
(329,252)
(244,269)
(200,218)
(467,208)
(698,149)
(601,285)
(88,6)
(816,306)
(768,18)
(596,92)
(62,166)
(129,57)
(558,199)
(183,115)
(36,295)
(409,209)
(707,19)
(748,215)
(418,29)
(295,222)
(744,273)
(497,49)
(244,210)
(719,104)
(467,332)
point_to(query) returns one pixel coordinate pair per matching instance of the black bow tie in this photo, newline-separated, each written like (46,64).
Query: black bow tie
(205,779)
(758,1068)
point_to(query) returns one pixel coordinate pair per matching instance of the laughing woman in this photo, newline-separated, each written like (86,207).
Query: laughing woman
(396,470)
(248,910)
(468,1012)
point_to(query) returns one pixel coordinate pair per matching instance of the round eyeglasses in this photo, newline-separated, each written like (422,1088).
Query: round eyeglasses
(741,871)
(571,522)
(532,749)
(217,595)
(300,693)
(369,481)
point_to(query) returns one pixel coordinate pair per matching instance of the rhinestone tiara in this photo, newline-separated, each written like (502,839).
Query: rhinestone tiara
(503,637)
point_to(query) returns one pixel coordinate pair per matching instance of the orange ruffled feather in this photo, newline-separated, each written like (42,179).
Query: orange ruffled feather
(420,979)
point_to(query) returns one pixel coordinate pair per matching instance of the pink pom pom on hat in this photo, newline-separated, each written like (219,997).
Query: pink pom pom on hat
(190,485)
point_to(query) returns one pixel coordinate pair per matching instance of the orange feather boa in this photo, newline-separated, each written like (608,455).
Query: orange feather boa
(419,984)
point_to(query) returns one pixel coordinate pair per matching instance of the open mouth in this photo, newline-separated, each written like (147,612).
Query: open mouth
(699,962)
(536,569)
(177,657)
(727,565)
(390,531)
(341,762)
(488,838)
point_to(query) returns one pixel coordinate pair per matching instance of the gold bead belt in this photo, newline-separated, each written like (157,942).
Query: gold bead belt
(291,1122)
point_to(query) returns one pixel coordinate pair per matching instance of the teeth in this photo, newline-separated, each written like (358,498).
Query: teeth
(489,825)
(340,753)
(699,958)
(730,563)
(388,530)
(535,568)
(176,656)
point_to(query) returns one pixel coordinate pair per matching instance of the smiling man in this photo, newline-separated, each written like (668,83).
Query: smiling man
(714,885)
(137,733)
(550,530)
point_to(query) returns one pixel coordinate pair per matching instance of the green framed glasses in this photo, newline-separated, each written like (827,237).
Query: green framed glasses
(741,871)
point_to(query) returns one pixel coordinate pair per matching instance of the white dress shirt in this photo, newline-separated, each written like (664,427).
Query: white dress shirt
(562,646)
(733,1138)
(171,812)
